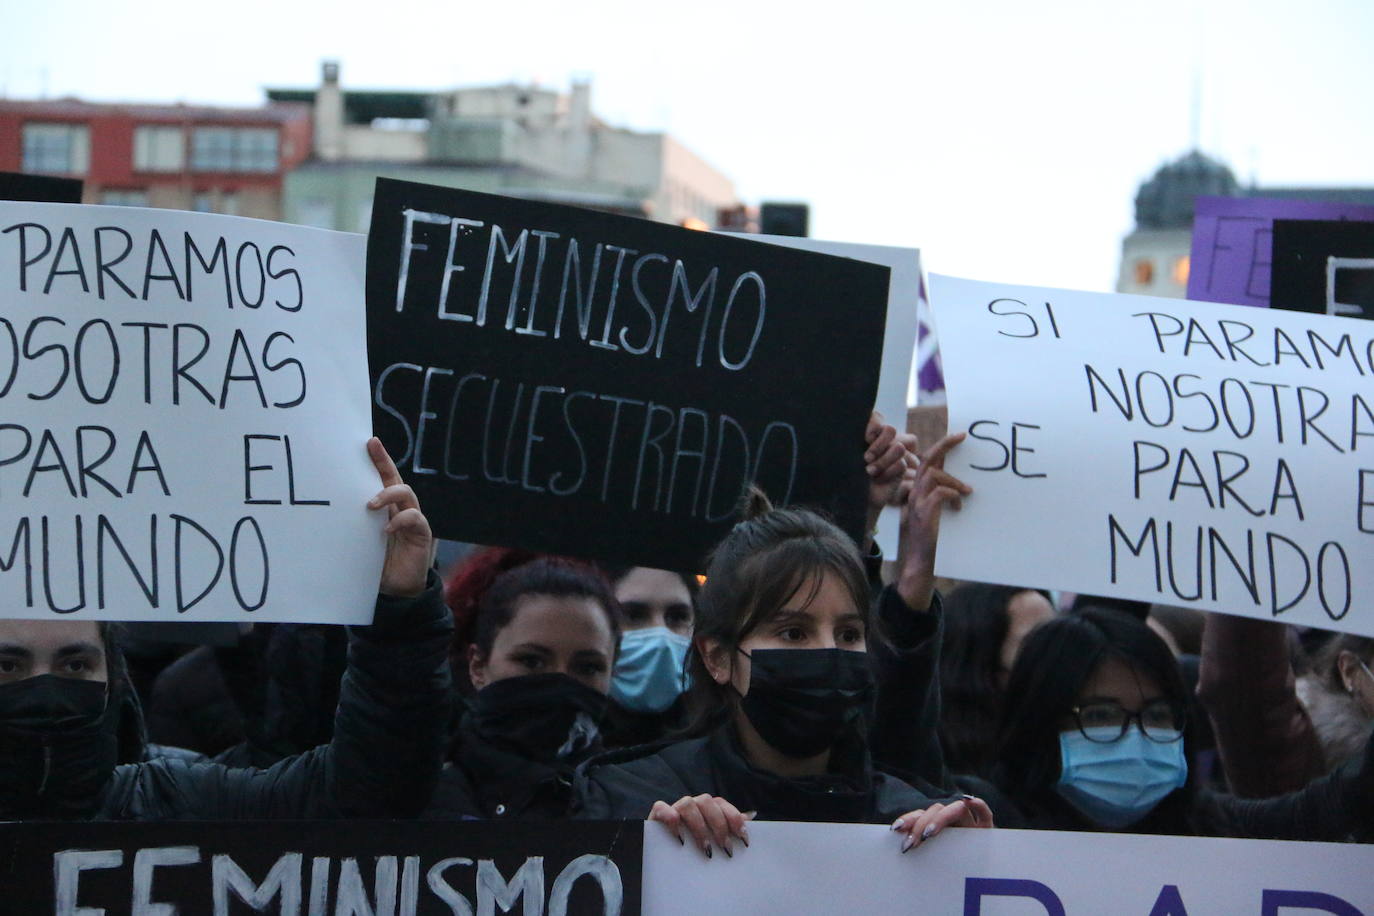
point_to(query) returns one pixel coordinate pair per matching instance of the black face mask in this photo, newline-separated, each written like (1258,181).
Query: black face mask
(801,701)
(58,746)
(550,718)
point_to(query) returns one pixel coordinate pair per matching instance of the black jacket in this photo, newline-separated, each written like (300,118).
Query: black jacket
(904,733)
(383,760)
(625,784)
(483,780)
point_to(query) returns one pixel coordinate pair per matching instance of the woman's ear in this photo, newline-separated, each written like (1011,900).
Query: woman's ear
(716,657)
(1347,666)
(477,667)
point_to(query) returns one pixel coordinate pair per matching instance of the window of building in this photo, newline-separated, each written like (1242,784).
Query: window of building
(229,203)
(1144,272)
(1181,270)
(203,202)
(120,197)
(234,149)
(159,149)
(61,148)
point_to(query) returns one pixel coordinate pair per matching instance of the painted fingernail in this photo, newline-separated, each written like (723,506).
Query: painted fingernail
(909,842)
(707,850)
(929,832)
(729,854)
(680,840)
(750,815)
(898,823)
(744,837)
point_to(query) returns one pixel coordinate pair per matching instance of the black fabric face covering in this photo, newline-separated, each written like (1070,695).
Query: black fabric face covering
(550,718)
(58,746)
(801,701)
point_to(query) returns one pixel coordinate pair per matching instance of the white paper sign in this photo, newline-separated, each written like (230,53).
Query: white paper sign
(1177,452)
(854,868)
(899,340)
(183,412)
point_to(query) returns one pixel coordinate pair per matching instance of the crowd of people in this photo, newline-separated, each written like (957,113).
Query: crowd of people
(797,678)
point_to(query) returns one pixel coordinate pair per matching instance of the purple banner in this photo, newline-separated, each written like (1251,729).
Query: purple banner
(1233,242)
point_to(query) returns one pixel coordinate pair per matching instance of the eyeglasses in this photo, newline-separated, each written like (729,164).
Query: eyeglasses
(1107,721)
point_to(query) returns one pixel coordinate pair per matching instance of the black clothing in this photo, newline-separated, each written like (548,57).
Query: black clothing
(516,747)
(386,752)
(271,696)
(904,735)
(484,780)
(629,728)
(625,784)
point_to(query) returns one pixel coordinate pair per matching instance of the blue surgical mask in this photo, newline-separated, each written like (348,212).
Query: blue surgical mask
(649,673)
(1115,784)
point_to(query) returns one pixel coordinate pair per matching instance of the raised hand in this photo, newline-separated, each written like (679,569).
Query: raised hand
(409,543)
(930,492)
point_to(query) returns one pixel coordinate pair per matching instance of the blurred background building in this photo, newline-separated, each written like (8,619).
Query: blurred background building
(522,141)
(185,157)
(1155,255)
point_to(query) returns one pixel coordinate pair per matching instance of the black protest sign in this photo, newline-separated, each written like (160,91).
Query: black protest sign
(317,868)
(1324,266)
(583,383)
(39,188)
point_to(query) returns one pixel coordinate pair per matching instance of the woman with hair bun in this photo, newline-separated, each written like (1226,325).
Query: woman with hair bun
(780,685)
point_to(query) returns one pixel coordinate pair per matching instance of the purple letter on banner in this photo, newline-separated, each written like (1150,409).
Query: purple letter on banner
(1307,900)
(1233,243)
(975,889)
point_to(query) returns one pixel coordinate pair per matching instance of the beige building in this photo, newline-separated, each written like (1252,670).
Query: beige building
(524,141)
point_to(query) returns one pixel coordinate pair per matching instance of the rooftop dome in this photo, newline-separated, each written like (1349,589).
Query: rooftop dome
(1166,200)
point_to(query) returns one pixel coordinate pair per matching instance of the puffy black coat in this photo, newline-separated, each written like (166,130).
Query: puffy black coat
(625,784)
(383,760)
(483,780)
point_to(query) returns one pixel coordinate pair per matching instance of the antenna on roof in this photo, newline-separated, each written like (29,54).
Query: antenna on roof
(1199,55)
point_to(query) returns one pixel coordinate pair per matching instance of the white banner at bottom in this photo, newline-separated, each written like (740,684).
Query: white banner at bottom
(853,868)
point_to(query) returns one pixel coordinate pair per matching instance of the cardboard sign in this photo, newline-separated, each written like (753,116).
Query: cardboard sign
(583,383)
(1233,237)
(183,412)
(899,339)
(856,868)
(321,868)
(1180,452)
(1325,267)
(39,188)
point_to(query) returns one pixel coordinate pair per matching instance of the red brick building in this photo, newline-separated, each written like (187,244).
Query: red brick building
(185,157)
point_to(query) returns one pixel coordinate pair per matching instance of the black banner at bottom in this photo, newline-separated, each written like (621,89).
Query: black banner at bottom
(321,868)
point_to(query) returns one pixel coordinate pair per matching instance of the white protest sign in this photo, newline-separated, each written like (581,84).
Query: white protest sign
(184,404)
(899,338)
(856,868)
(1178,452)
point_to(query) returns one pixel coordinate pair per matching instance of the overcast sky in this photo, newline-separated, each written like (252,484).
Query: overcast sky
(1005,139)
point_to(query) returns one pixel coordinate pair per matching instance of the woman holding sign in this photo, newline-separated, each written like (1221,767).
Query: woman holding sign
(780,683)
(1092,738)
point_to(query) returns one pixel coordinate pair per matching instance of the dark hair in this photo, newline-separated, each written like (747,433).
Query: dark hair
(975,627)
(760,565)
(615,572)
(482,593)
(1325,662)
(1056,660)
